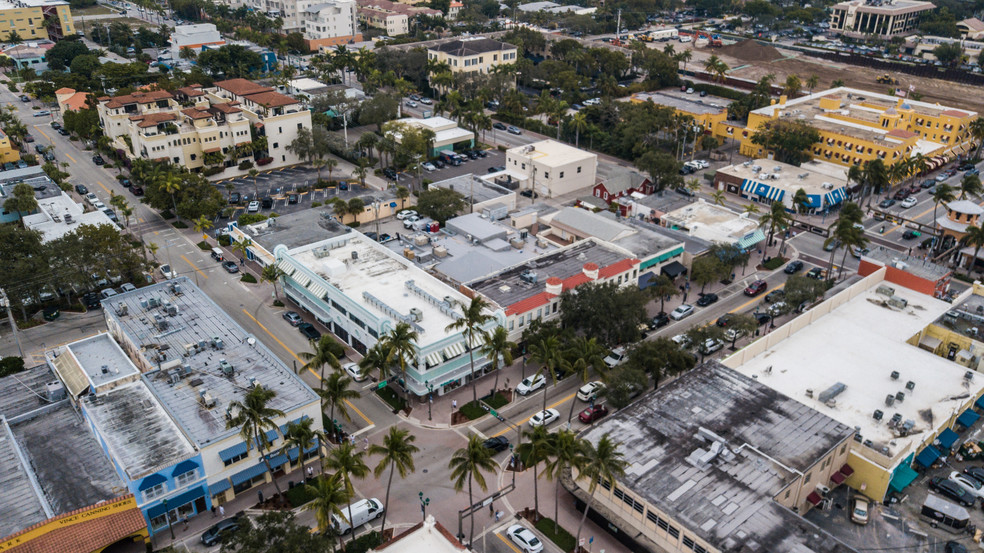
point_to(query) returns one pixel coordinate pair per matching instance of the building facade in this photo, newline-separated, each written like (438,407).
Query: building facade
(195,38)
(767,181)
(708,112)
(35,19)
(879,18)
(551,169)
(472,55)
(393,17)
(330,23)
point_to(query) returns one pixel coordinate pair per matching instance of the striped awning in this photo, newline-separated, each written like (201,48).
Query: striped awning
(771,193)
(814,201)
(454,350)
(751,239)
(302,279)
(747,185)
(477,341)
(317,289)
(248,474)
(434,359)
(287,267)
(835,197)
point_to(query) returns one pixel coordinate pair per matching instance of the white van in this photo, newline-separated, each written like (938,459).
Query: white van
(362,512)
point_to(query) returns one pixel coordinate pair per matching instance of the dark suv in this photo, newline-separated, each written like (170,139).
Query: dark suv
(309,332)
(218,531)
(951,490)
(756,288)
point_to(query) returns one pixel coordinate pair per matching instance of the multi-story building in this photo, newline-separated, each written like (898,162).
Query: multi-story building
(856,126)
(879,18)
(472,54)
(31,55)
(35,19)
(767,181)
(708,112)
(922,46)
(70,100)
(714,223)
(393,17)
(971,28)
(218,129)
(8,152)
(329,23)
(454,8)
(195,38)
(550,168)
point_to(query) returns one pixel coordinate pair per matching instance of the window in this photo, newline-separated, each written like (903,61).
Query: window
(276,144)
(177,159)
(156,491)
(186,478)
(546,174)
(561,174)
(495,57)
(809,476)
(193,156)
(300,126)
(674,532)
(688,542)
(579,169)
(524,166)
(338,307)
(236,459)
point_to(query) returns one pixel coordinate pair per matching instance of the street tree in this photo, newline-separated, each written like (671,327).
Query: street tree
(790,140)
(279,530)
(564,453)
(661,357)
(253,417)
(440,204)
(624,383)
(396,454)
(603,461)
(474,315)
(705,270)
(469,464)
(347,461)
(608,311)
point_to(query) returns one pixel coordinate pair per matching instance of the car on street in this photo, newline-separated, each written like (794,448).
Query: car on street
(616,357)
(309,332)
(524,539)
(411,104)
(775,295)
(413,97)
(592,413)
(220,530)
(98,159)
(724,320)
(230,266)
(167,272)
(63,131)
(860,508)
(125,182)
(590,391)
(659,320)
(815,273)
(910,234)
(426,101)
(682,340)
(928,183)
(496,444)
(531,384)
(41,113)
(756,288)
(389,173)
(682,312)
(942,177)
(28,138)
(137,190)
(886,203)
(710,346)
(951,490)
(428,166)
(857,251)
(908,202)
(977,473)
(499,126)
(544,418)
(707,299)
(761,318)
(513,130)
(793,267)
(48,156)
(293,317)
(24,98)
(354,371)
(253,206)
(81,189)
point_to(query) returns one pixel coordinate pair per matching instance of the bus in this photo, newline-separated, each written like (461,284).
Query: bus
(943,514)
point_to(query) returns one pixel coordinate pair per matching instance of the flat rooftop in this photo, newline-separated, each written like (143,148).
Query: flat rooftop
(914,264)
(60,215)
(186,339)
(358,266)
(789,177)
(718,219)
(642,241)
(102,360)
(296,229)
(474,189)
(727,501)
(551,153)
(885,7)
(687,103)
(965,318)
(863,332)
(509,286)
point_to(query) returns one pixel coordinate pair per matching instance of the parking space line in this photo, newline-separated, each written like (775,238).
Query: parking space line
(524,421)
(507,542)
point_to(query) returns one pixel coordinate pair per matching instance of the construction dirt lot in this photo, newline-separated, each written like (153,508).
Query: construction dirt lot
(751,60)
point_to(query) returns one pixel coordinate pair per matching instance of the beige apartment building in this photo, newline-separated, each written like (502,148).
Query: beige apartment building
(393,17)
(197,127)
(551,168)
(474,54)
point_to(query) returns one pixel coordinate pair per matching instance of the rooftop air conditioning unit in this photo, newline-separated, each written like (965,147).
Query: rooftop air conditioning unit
(895,375)
(416,314)
(910,385)
(207,400)
(226,367)
(877,415)
(889,400)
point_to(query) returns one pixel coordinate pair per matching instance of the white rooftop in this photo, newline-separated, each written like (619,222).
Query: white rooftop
(357,266)
(50,221)
(858,343)
(550,153)
(428,536)
(813,180)
(711,222)
(102,360)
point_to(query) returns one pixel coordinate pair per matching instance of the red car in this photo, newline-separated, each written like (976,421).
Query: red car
(593,413)
(756,288)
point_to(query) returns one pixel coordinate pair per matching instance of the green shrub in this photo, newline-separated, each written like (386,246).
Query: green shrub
(316,204)
(354,224)
(247,164)
(11,365)
(180,224)
(299,495)
(364,543)
(225,240)
(166,214)
(563,538)
(248,278)
(774,263)
(473,410)
(204,246)
(274,214)
(278,303)
(209,171)
(250,218)
(496,401)
(389,396)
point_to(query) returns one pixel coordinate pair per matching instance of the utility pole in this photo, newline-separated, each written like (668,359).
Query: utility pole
(5,303)
(618,24)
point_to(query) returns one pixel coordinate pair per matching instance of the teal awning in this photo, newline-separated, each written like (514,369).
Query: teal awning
(968,418)
(750,239)
(947,438)
(928,456)
(979,403)
(904,475)
(219,487)
(248,474)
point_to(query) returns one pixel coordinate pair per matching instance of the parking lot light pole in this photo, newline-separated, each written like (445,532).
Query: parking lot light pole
(424,502)
(430,398)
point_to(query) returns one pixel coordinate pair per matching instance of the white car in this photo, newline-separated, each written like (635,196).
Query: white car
(544,418)
(908,202)
(970,485)
(524,538)
(681,340)
(429,166)
(590,390)
(531,384)
(253,206)
(702,163)
(615,358)
(411,104)
(860,510)
(99,205)
(733,334)
(710,346)
(355,371)
(409,220)
(405,213)
(90,197)
(682,312)
(168,272)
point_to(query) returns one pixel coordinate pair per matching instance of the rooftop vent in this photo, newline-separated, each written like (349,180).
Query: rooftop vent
(885,290)
(889,400)
(910,385)
(227,368)
(969,375)
(877,415)
(416,314)
(895,375)
(831,392)
(207,400)
(900,397)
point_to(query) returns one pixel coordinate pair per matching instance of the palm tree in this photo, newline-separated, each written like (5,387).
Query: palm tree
(397,454)
(975,238)
(495,346)
(579,123)
(360,171)
(812,82)
(330,164)
(401,344)
(532,452)
(563,451)
(170,185)
(602,462)
(897,172)
(272,274)
(970,185)
(253,417)
(717,197)
(775,219)
(977,131)
(336,392)
(475,315)
(299,435)
(856,174)
(376,357)
(346,460)
(584,354)
(467,464)
(326,352)
(547,351)
(875,177)
(942,195)
(330,496)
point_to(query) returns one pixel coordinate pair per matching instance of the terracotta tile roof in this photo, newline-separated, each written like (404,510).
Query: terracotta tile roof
(196,113)
(83,530)
(242,87)
(955,113)
(138,98)
(65,90)
(271,99)
(617,268)
(152,119)
(225,108)
(77,101)
(574,281)
(191,91)
(902,133)
(532,302)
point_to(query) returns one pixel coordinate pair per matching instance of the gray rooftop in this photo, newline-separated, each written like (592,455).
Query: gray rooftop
(188,337)
(913,264)
(20,504)
(689,103)
(691,244)
(472,46)
(966,318)
(297,229)
(43,186)
(102,360)
(590,223)
(20,393)
(473,188)
(507,287)
(730,502)
(477,227)
(26,174)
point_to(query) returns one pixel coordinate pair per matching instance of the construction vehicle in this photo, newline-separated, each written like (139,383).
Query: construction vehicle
(886,79)
(712,40)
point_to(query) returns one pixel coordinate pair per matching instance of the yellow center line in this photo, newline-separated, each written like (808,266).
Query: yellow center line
(193,266)
(294,355)
(897,226)
(71,158)
(37,128)
(755,299)
(524,421)
(108,191)
(507,542)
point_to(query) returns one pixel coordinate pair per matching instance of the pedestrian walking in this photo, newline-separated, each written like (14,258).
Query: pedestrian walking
(184,521)
(365,445)
(352,440)
(454,404)
(491,510)
(310,472)
(214,513)
(498,515)
(221,511)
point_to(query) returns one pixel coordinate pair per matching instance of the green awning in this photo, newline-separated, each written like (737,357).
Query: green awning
(751,239)
(904,475)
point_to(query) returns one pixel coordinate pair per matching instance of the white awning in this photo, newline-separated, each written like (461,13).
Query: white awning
(434,359)
(302,279)
(286,267)
(477,341)
(454,350)
(317,289)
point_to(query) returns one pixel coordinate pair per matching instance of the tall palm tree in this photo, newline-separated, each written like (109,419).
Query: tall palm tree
(532,452)
(299,435)
(330,164)
(942,195)
(718,197)
(602,462)
(330,496)
(775,219)
(468,464)
(812,82)
(977,131)
(376,357)
(875,177)
(396,454)
(564,452)
(401,345)
(336,392)
(855,173)
(203,223)
(578,122)
(497,346)
(253,418)
(975,238)
(272,274)
(256,187)
(970,185)
(170,185)
(583,355)
(547,352)
(326,352)
(346,460)
(475,315)
(897,172)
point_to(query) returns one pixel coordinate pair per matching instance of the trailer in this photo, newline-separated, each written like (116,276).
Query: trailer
(663,35)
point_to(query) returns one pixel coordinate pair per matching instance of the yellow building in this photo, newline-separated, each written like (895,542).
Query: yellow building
(710,112)
(8,152)
(35,19)
(857,126)
(958,335)
(474,54)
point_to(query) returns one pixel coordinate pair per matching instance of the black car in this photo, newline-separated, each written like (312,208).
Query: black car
(909,234)
(389,173)
(472,154)
(724,320)
(886,203)
(977,473)
(218,531)
(775,295)
(39,148)
(267,202)
(950,489)
(793,267)
(309,332)
(439,164)
(762,318)
(81,189)
(50,313)
(481,153)
(91,300)
(126,182)
(24,98)
(660,320)
(954,547)
(62,131)
(55,125)
(48,156)
(529,194)
(815,273)
(234,198)
(499,126)
(496,444)
(707,299)
(137,190)
(928,183)
(98,160)
(292,198)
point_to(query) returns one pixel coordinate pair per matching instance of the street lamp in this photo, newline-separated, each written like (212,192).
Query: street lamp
(167,514)
(424,502)
(430,398)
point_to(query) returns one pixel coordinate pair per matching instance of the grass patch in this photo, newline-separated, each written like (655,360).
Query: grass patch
(299,495)
(94,10)
(563,538)
(473,410)
(774,263)
(204,246)
(390,397)
(248,278)
(496,401)
(180,224)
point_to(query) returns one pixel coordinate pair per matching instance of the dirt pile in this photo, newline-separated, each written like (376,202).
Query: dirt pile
(751,51)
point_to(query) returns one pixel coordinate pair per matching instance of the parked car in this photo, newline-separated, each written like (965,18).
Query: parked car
(496,444)
(775,295)
(616,357)
(499,126)
(524,539)
(409,220)
(513,130)
(724,320)
(710,346)
(659,320)
(592,413)
(63,131)
(954,547)
(234,198)
(590,391)
(544,418)
(253,206)
(98,159)
(220,530)
(389,173)
(354,371)
(761,318)
(137,190)
(411,104)
(977,473)
(293,317)
(230,266)
(815,273)
(707,299)
(860,508)
(950,489)
(928,183)
(428,166)
(24,98)
(405,213)
(41,113)
(531,384)
(682,312)
(908,202)
(793,267)
(81,189)
(968,483)
(756,288)
(167,272)
(28,138)
(886,203)
(309,332)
